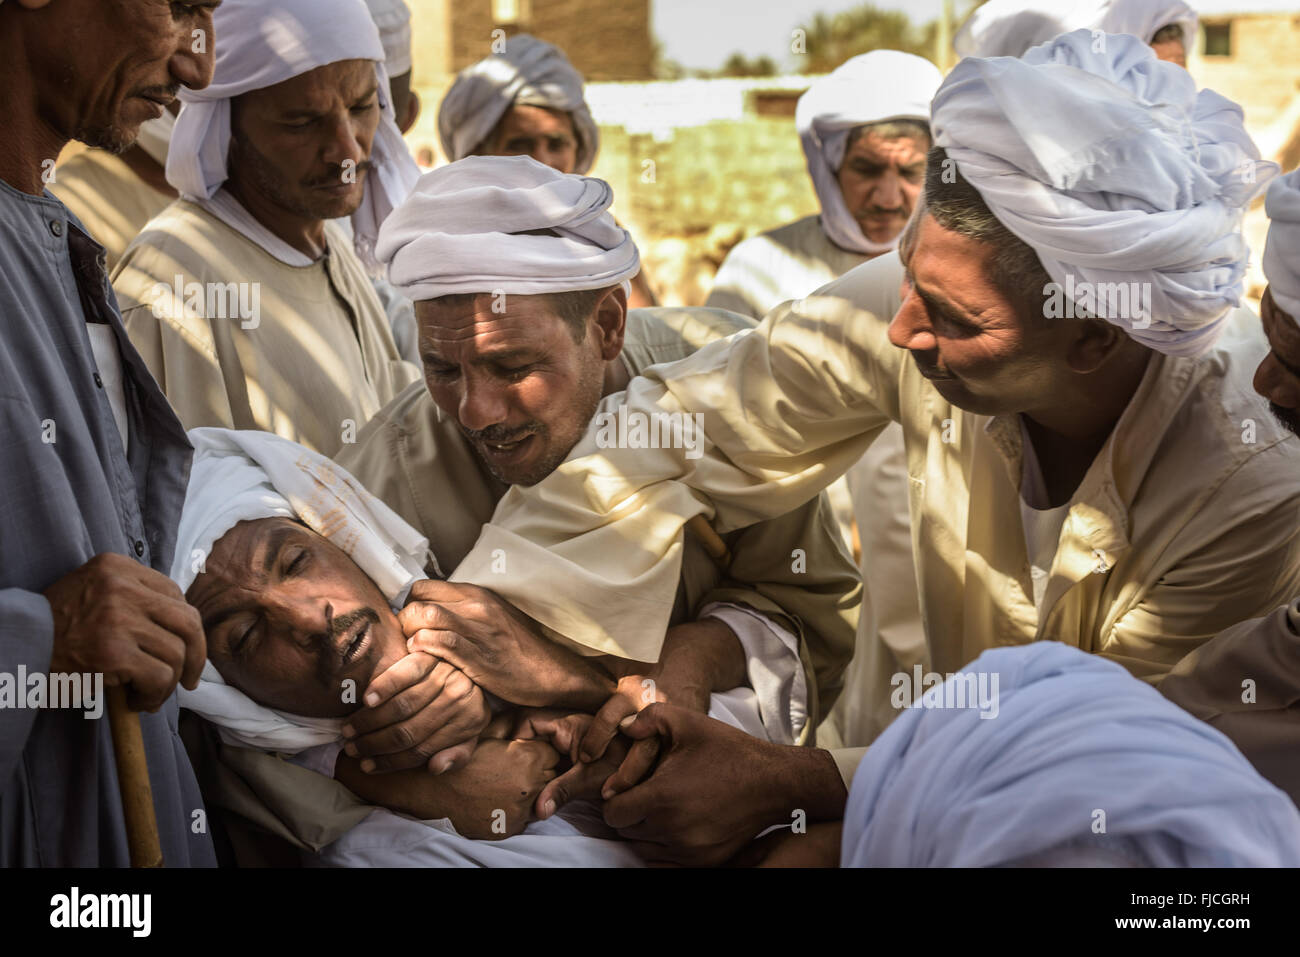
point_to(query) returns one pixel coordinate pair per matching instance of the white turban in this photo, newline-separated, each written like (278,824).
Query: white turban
(1282,250)
(260,44)
(462,231)
(241,476)
(1012,27)
(871,88)
(528,72)
(1071,734)
(1117,172)
(393,20)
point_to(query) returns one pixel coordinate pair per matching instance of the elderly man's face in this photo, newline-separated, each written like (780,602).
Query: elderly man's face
(304,145)
(521,389)
(106,66)
(963,332)
(545,135)
(881,179)
(289,618)
(1278,376)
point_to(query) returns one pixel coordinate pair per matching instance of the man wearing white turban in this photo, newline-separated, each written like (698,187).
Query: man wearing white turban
(1246,681)
(518,275)
(1085,465)
(1012,27)
(243,297)
(299,575)
(525,100)
(1075,737)
(865,130)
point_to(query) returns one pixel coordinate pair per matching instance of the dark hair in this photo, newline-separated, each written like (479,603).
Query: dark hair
(1014,268)
(891,130)
(575,308)
(1170,31)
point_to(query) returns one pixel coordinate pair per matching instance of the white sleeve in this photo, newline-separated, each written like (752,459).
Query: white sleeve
(775,670)
(320,759)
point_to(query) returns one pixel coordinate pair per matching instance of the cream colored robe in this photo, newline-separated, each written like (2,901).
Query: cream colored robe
(787,263)
(1185,524)
(108,197)
(313,365)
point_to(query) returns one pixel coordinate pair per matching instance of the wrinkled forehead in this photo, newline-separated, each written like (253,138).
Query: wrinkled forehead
(241,557)
(888,141)
(316,90)
(486,320)
(535,118)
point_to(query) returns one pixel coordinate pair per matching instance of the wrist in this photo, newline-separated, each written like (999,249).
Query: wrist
(808,780)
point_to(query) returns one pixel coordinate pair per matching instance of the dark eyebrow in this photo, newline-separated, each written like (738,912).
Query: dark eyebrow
(275,545)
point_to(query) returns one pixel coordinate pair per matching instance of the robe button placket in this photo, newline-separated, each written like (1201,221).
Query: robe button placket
(99,383)
(56,227)
(139,548)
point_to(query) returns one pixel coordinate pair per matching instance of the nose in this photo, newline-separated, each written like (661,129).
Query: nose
(194,60)
(481,405)
(302,617)
(1277,384)
(910,328)
(888,191)
(345,140)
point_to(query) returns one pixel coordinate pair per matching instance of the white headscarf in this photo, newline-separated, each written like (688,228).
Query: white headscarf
(1012,27)
(241,476)
(460,232)
(1282,250)
(393,20)
(528,72)
(260,44)
(1073,734)
(1115,170)
(871,88)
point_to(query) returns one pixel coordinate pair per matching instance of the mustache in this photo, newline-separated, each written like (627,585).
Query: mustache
(159,92)
(501,434)
(335,176)
(340,624)
(1289,419)
(330,663)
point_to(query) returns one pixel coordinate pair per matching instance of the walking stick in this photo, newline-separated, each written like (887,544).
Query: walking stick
(133,782)
(711,540)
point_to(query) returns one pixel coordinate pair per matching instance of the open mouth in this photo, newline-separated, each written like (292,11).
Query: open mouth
(352,643)
(505,451)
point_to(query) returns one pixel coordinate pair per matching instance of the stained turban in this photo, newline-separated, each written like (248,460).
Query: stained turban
(528,72)
(260,44)
(241,476)
(473,227)
(871,88)
(1282,250)
(1120,175)
(1012,27)
(1018,772)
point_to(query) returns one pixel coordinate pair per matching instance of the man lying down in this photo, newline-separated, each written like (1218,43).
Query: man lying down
(297,572)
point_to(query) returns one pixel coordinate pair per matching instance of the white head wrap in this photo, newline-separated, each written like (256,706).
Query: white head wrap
(460,231)
(528,72)
(260,44)
(393,20)
(1282,250)
(1071,733)
(1116,171)
(871,88)
(241,476)
(1012,27)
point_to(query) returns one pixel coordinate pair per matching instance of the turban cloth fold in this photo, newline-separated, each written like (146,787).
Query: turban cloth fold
(489,224)
(1072,734)
(871,88)
(1118,173)
(261,44)
(393,20)
(1012,27)
(241,476)
(1282,250)
(528,72)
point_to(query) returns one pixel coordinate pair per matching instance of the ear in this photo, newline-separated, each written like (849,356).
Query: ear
(405,123)
(1093,342)
(611,322)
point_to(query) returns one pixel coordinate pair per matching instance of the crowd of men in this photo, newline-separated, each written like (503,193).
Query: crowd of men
(418,534)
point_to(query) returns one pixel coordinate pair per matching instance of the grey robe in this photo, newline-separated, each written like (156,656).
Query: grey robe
(61,503)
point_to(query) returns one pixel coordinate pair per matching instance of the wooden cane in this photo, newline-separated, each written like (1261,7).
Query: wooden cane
(133,782)
(711,540)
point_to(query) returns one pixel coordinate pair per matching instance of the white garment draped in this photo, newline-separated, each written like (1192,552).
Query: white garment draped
(1282,250)
(1012,27)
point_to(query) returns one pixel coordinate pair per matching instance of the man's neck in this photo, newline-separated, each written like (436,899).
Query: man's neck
(307,236)
(1068,434)
(29,139)
(616,376)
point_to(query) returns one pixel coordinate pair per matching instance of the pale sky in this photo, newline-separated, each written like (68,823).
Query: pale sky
(700,34)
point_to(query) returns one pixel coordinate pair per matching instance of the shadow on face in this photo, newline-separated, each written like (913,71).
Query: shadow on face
(303,146)
(544,134)
(292,621)
(103,67)
(881,177)
(1278,376)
